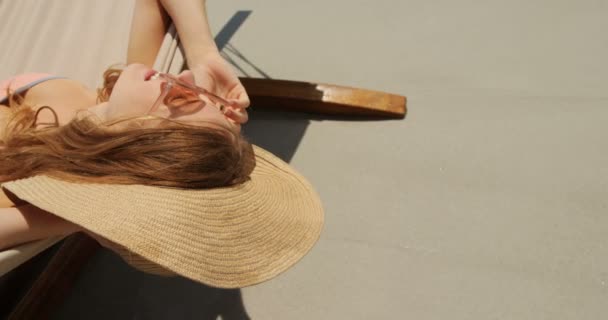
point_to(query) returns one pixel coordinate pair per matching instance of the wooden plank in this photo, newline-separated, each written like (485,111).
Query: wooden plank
(57,279)
(16,283)
(323,98)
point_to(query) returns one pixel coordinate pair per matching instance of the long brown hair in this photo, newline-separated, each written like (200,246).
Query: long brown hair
(85,150)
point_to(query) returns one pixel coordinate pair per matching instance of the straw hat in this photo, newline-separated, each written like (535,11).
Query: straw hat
(224,237)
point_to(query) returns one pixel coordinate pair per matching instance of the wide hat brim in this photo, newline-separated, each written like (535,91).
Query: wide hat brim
(229,237)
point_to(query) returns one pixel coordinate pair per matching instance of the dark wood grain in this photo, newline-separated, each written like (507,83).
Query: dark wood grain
(57,279)
(323,98)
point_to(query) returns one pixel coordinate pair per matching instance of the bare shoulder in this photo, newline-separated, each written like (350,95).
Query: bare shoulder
(65,96)
(65,92)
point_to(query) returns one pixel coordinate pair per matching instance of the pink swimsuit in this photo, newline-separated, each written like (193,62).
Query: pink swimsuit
(22,82)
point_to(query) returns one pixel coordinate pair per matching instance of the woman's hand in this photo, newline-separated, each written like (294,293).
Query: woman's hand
(213,73)
(210,70)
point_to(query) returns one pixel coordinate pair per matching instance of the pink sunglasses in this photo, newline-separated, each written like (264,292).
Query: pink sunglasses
(176,93)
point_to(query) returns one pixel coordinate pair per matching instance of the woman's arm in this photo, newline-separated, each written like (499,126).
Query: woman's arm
(190,19)
(27,223)
(150,21)
(210,69)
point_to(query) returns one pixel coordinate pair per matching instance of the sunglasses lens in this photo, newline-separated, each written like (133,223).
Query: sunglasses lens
(184,97)
(178,96)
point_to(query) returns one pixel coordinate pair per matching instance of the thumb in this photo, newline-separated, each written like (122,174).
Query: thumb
(242,100)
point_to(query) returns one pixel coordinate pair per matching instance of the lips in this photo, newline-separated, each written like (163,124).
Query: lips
(150,74)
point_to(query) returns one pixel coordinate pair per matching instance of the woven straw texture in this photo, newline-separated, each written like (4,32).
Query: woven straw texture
(224,237)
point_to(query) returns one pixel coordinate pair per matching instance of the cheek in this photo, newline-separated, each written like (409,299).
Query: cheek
(212,114)
(132,98)
(208,113)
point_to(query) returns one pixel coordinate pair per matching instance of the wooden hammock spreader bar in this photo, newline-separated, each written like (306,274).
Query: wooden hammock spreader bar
(55,283)
(321,98)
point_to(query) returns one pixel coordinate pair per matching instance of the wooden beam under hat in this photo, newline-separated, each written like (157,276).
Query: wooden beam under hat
(56,281)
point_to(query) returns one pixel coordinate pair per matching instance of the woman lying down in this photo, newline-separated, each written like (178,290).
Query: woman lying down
(153,165)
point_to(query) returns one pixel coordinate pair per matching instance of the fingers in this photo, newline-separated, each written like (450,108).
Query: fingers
(237,110)
(238,115)
(220,80)
(242,100)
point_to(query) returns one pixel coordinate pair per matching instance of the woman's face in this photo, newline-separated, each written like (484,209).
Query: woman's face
(135,92)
